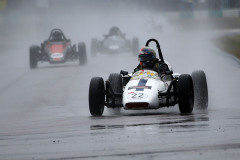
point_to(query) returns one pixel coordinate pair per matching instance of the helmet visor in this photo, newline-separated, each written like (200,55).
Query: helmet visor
(144,57)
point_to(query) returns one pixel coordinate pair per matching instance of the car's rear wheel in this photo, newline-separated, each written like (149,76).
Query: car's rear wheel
(33,56)
(200,89)
(82,53)
(115,80)
(185,93)
(94,47)
(96,96)
(135,46)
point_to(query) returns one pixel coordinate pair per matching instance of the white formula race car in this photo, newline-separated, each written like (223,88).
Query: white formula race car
(145,89)
(114,43)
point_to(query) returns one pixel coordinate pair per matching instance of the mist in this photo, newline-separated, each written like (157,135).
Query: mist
(80,20)
(184,41)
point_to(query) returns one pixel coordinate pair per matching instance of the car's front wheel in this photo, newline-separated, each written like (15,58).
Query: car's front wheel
(200,89)
(185,93)
(33,56)
(115,80)
(82,53)
(94,47)
(96,96)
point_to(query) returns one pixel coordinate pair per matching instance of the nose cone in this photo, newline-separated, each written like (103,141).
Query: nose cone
(142,94)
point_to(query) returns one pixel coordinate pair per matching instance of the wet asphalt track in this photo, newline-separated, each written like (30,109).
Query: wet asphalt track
(44,112)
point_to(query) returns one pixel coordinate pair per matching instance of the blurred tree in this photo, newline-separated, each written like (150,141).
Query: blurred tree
(3,4)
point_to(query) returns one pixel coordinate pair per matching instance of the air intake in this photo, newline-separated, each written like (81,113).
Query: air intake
(137,105)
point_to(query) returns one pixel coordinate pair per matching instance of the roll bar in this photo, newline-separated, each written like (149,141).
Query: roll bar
(158,47)
(59,30)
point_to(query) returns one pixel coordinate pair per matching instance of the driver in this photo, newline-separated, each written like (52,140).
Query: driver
(115,31)
(57,36)
(148,60)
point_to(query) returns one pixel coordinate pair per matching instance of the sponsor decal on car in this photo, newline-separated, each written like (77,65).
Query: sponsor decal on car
(139,87)
(114,47)
(145,74)
(56,55)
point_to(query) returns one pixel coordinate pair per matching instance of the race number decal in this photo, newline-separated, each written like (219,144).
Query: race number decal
(133,95)
(57,55)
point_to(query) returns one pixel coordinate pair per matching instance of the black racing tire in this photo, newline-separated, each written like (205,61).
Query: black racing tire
(135,46)
(185,93)
(33,56)
(200,90)
(82,54)
(115,80)
(96,96)
(93,47)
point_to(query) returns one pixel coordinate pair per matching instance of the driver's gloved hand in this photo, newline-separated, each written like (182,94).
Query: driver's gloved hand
(136,69)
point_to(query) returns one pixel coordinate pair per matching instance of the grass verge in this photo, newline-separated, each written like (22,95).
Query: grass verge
(230,44)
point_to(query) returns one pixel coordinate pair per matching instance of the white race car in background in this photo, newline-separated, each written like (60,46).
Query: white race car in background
(145,90)
(113,43)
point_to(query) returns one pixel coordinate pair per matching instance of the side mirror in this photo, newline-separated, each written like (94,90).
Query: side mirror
(123,72)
